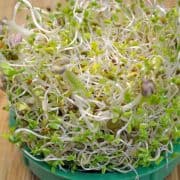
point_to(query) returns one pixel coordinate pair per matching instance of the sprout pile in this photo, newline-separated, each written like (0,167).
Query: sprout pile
(94,84)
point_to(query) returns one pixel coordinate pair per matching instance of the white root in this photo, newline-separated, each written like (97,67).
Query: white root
(25,130)
(132,104)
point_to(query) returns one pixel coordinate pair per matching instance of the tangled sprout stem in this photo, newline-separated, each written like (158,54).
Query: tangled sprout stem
(94,84)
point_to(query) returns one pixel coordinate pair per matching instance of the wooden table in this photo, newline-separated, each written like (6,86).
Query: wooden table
(11,165)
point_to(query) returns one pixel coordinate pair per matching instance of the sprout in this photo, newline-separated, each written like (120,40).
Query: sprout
(14,40)
(58,70)
(147,87)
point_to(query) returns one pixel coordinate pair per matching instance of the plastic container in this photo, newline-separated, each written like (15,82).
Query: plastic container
(153,172)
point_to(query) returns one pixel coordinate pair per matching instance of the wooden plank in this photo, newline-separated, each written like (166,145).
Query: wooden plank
(8,5)
(11,165)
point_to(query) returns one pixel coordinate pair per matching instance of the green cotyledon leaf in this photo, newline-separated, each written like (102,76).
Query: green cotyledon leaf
(75,84)
(8,70)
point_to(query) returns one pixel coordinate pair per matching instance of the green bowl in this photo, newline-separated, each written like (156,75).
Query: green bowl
(153,172)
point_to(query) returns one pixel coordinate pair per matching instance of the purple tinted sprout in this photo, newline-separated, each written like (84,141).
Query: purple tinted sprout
(15,39)
(147,87)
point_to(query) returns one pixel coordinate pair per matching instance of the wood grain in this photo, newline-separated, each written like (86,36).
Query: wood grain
(6,7)
(11,164)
